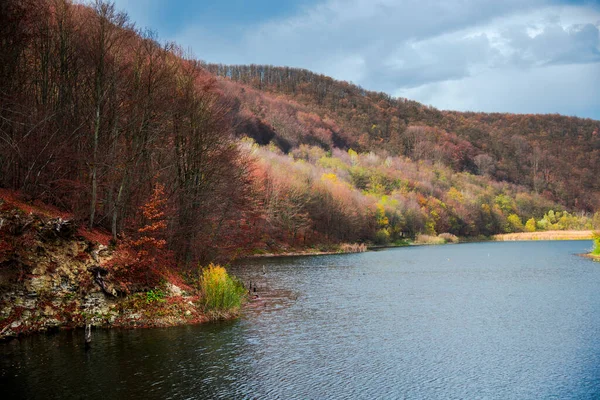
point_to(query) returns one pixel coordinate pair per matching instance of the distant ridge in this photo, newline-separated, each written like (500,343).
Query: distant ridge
(549,153)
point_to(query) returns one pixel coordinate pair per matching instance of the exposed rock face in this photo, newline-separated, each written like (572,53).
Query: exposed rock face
(50,277)
(174,290)
(44,276)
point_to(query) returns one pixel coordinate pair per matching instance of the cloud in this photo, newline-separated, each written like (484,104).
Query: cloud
(556,44)
(564,89)
(437,59)
(443,52)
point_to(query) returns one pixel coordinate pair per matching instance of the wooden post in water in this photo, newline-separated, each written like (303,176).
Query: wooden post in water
(88,334)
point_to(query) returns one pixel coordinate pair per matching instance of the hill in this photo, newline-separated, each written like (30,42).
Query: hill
(554,155)
(209,162)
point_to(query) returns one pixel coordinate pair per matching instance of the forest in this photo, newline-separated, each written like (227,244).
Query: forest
(186,162)
(554,155)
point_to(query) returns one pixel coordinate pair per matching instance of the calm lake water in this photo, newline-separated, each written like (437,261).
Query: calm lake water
(468,321)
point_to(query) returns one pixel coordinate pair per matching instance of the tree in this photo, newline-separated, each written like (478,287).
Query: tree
(530,226)
(485,164)
(516,225)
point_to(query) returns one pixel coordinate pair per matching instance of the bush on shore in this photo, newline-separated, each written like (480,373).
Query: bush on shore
(220,293)
(442,238)
(448,237)
(596,238)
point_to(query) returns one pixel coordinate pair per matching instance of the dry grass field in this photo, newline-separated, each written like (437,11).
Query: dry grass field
(544,235)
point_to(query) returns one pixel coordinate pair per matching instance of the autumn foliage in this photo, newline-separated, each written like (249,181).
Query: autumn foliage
(181,162)
(151,240)
(553,155)
(99,119)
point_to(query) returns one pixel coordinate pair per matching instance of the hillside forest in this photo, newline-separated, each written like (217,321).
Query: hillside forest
(188,162)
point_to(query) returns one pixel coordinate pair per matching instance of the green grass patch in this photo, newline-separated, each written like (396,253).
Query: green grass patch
(155,296)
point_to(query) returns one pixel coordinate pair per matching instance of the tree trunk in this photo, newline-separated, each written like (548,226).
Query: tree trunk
(95,168)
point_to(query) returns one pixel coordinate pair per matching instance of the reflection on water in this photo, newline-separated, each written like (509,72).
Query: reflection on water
(491,320)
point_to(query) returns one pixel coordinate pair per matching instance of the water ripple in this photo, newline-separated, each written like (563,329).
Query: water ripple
(493,320)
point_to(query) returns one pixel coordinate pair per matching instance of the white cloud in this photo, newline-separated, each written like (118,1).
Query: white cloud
(565,89)
(455,54)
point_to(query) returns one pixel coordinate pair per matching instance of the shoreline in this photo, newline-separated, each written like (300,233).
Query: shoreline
(343,248)
(294,254)
(590,256)
(28,316)
(502,237)
(543,235)
(176,309)
(59,276)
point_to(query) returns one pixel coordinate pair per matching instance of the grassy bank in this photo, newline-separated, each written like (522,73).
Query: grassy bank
(595,254)
(544,235)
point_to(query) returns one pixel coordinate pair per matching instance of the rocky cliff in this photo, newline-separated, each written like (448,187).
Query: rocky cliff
(54,274)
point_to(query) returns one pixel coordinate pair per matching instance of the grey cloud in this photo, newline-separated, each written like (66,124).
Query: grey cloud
(565,89)
(429,49)
(558,45)
(415,64)
(359,25)
(408,43)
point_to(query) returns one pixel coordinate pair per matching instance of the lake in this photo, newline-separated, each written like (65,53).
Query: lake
(513,320)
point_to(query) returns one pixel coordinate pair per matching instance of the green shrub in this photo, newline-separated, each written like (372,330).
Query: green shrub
(596,238)
(220,293)
(155,296)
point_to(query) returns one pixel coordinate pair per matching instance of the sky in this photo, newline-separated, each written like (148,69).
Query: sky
(521,56)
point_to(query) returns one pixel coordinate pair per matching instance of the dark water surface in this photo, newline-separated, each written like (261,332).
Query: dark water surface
(469,321)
